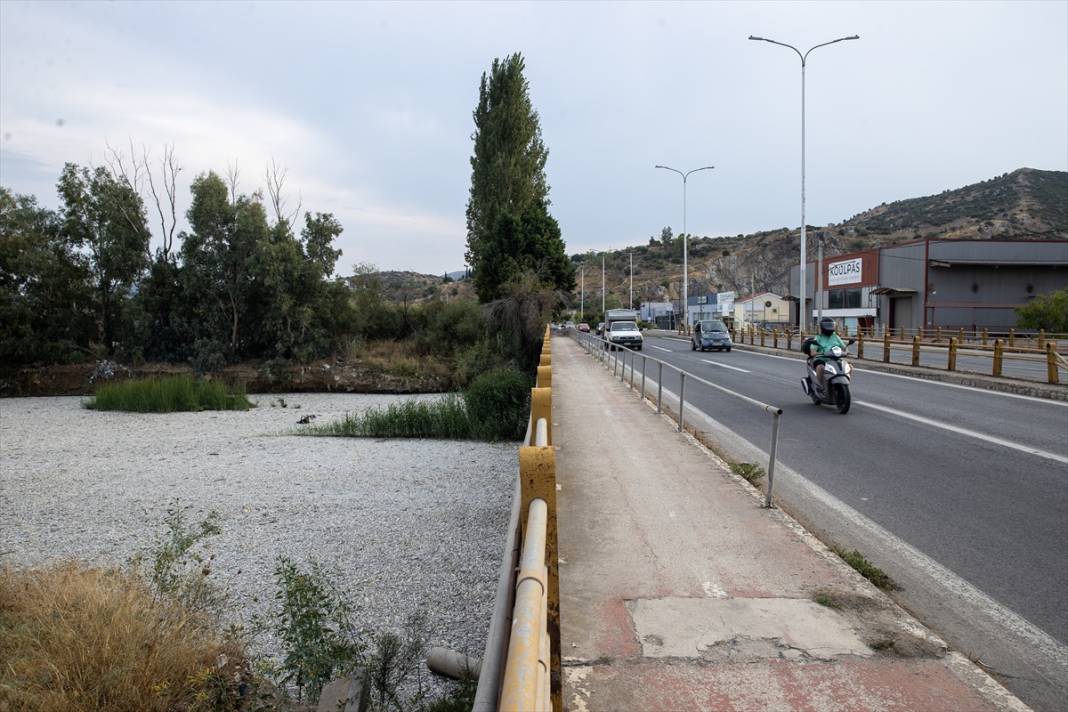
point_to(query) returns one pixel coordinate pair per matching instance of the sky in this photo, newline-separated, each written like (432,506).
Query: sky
(368,106)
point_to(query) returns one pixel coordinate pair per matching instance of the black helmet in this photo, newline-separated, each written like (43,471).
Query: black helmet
(827,326)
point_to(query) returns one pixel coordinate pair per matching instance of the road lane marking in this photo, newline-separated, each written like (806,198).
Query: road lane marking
(1044,401)
(964,431)
(661,348)
(723,365)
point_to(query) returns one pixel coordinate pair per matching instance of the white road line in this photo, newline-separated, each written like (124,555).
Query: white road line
(1044,401)
(723,365)
(964,431)
(661,348)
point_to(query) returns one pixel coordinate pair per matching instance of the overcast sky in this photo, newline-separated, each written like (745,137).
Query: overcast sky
(369,106)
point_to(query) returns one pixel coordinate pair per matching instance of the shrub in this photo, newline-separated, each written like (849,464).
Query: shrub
(1049,312)
(159,656)
(865,568)
(167,395)
(498,404)
(444,418)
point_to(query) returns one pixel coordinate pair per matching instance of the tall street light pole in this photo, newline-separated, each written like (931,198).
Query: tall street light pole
(582,294)
(685,243)
(803,316)
(631,279)
(602,286)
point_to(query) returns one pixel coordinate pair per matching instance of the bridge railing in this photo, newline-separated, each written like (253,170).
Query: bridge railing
(520,669)
(617,355)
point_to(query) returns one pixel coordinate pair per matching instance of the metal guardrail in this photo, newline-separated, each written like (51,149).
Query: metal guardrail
(521,664)
(618,356)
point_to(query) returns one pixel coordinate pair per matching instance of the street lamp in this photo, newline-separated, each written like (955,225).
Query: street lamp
(685,243)
(802,320)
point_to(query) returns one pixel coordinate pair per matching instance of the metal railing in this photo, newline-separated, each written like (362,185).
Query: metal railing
(520,666)
(617,354)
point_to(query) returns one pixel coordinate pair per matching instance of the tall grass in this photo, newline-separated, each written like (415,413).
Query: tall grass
(445,418)
(496,406)
(79,639)
(168,395)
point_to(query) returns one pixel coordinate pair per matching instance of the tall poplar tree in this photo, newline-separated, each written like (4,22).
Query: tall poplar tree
(509,228)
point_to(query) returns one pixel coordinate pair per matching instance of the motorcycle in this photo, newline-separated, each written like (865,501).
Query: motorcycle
(833,388)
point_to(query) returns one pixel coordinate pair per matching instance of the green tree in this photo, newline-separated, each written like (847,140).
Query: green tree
(107,218)
(509,228)
(46,297)
(1048,311)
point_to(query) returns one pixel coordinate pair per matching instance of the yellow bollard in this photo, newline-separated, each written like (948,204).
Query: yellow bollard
(886,347)
(1012,337)
(915,350)
(545,360)
(860,344)
(938,334)
(762,337)
(985,336)
(545,376)
(775,338)
(952,357)
(997,357)
(1041,338)
(1051,364)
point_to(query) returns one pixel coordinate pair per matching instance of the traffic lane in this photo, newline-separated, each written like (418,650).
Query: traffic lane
(1036,423)
(994,516)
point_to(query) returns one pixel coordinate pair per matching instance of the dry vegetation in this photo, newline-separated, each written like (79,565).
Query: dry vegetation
(75,638)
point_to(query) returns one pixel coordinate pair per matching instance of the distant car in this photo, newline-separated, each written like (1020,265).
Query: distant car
(710,334)
(600,328)
(569,324)
(625,333)
(584,328)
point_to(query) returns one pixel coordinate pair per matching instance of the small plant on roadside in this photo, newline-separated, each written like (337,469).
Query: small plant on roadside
(867,569)
(882,644)
(750,472)
(825,600)
(394,668)
(314,623)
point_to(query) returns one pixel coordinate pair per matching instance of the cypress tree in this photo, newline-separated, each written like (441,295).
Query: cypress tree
(509,228)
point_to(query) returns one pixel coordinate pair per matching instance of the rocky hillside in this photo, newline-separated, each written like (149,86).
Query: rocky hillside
(1024,204)
(413,287)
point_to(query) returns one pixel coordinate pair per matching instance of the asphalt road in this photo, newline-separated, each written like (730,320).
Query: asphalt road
(960,494)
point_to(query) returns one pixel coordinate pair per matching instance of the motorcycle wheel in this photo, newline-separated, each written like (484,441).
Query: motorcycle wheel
(843,399)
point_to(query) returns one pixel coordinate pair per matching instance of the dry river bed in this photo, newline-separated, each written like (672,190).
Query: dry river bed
(406,525)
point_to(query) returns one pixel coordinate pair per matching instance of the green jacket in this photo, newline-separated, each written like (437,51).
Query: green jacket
(825,342)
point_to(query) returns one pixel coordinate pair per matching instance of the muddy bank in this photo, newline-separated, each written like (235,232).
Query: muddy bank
(325,376)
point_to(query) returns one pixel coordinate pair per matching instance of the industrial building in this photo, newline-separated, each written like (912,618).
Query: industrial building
(970,284)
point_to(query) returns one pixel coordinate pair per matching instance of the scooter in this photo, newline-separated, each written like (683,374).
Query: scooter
(833,389)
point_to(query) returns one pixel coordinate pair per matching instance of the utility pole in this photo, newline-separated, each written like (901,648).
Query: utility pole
(602,285)
(804,61)
(685,243)
(819,277)
(582,294)
(631,278)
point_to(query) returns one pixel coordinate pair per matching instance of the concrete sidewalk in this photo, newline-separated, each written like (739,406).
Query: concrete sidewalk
(679,592)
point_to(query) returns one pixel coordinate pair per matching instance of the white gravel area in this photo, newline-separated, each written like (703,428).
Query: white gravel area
(407,524)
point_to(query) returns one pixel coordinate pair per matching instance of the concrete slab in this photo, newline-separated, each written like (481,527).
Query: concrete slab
(742,629)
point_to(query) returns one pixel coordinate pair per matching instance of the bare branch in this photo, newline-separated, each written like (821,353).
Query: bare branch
(233,174)
(169,170)
(276,181)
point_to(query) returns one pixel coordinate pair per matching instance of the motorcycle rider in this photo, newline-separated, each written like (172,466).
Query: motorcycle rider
(823,343)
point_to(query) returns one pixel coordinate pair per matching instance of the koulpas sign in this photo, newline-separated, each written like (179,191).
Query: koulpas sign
(844,272)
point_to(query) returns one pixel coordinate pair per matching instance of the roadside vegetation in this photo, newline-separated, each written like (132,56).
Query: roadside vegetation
(154,635)
(1047,311)
(168,395)
(865,568)
(493,407)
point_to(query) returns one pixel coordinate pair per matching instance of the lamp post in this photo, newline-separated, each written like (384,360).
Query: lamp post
(803,319)
(582,294)
(685,243)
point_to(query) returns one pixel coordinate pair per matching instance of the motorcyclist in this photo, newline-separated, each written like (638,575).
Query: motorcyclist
(823,343)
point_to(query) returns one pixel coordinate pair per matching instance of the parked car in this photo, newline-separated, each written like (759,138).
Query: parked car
(710,334)
(584,328)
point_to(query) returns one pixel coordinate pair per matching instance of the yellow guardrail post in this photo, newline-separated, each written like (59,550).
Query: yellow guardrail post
(1051,364)
(986,336)
(860,344)
(519,692)
(1012,337)
(997,357)
(915,350)
(951,359)
(1041,339)
(886,347)
(545,376)
(762,332)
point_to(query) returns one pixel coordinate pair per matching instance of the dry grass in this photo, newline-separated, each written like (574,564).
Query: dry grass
(75,639)
(400,358)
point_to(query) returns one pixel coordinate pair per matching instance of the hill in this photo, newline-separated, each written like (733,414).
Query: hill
(1024,204)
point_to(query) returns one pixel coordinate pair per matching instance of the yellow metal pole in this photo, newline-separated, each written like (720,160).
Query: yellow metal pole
(541,406)
(519,692)
(997,357)
(1012,337)
(545,376)
(1041,339)
(886,347)
(762,331)
(915,350)
(1051,363)
(860,344)
(952,358)
(986,336)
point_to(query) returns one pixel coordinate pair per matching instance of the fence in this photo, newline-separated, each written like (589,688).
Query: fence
(617,356)
(952,344)
(521,665)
